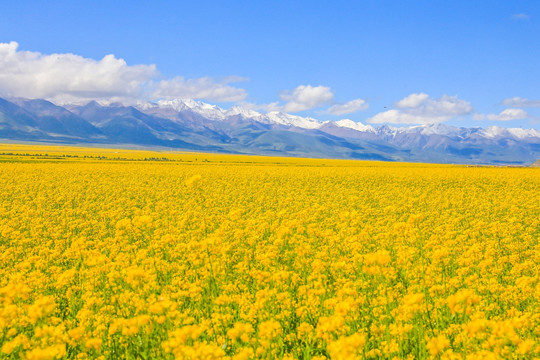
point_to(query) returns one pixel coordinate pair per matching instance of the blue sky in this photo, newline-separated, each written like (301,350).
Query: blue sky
(465,63)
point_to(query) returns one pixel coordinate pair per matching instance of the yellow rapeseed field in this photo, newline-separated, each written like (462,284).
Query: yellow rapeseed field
(114,254)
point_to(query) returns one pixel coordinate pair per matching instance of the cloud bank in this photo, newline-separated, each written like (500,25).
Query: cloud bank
(306,97)
(349,107)
(200,88)
(521,102)
(421,109)
(69,78)
(309,97)
(505,115)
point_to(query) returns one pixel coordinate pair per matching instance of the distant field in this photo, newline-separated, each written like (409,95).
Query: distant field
(110,253)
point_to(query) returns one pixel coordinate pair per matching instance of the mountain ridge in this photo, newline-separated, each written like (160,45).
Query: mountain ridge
(198,126)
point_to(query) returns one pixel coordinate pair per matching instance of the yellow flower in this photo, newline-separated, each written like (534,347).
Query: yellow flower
(437,345)
(76,333)
(240,331)
(48,353)
(350,347)
(462,301)
(304,330)
(525,347)
(93,344)
(269,330)
(243,354)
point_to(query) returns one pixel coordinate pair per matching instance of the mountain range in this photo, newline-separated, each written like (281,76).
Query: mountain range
(197,126)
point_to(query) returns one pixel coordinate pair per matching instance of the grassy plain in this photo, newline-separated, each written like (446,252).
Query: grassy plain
(110,253)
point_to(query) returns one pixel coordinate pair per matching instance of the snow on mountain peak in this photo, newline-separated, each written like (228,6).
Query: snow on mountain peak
(293,120)
(492,132)
(439,129)
(215,113)
(211,112)
(358,126)
(146,105)
(497,131)
(246,113)
(524,133)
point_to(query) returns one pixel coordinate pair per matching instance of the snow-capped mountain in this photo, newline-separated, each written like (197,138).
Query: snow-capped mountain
(293,120)
(215,113)
(518,133)
(246,114)
(210,112)
(358,126)
(195,125)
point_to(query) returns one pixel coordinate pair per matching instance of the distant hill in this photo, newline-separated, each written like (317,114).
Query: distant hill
(536,163)
(197,126)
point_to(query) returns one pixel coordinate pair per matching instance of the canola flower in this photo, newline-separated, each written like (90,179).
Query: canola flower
(108,254)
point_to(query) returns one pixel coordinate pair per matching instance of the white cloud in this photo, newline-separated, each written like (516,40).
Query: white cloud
(234,79)
(65,78)
(201,88)
(69,77)
(348,108)
(421,109)
(520,16)
(303,97)
(306,97)
(412,101)
(521,102)
(505,115)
